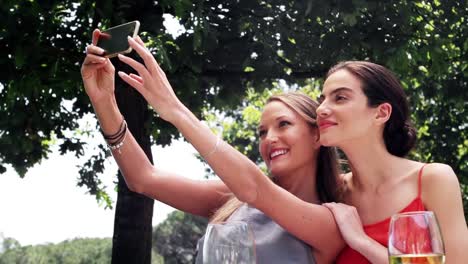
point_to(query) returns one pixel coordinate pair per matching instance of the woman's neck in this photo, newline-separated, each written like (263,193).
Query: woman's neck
(371,165)
(301,183)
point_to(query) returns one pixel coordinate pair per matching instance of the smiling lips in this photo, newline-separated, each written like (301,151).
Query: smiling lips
(277,152)
(326,124)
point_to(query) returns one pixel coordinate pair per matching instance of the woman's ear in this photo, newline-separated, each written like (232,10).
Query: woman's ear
(317,138)
(384,111)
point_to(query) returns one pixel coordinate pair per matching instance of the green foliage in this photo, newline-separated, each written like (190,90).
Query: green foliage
(40,70)
(8,243)
(174,241)
(228,48)
(75,251)
(424,43)
(176,238)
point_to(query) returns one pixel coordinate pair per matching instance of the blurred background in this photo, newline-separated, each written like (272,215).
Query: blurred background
(223,58)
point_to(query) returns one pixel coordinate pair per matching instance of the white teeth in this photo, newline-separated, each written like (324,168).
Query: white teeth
(277,153)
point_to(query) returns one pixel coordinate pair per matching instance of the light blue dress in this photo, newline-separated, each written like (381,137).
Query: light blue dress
(274,245)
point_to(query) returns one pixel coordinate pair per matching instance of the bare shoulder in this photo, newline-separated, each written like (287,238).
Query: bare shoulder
(436,173)
(439,178)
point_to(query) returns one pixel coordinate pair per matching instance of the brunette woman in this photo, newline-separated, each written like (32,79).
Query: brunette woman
(364,112)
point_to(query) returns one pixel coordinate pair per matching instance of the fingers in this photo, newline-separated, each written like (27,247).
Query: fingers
(131,80)
(94,65)
(93,49)
(88,70)
(140,41)
(136,78)
(93,59)
(109,67)
(341,208)
(96,34)
(331,206)
(140,68)
(93,52)
(145,54)
(94,62)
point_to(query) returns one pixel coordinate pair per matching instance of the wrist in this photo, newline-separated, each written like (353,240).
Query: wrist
(371,250)
(104,103)
(106,108)
(178,113)
(362,244)
(108,115)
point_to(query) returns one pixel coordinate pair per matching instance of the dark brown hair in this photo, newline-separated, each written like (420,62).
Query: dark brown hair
(380,85)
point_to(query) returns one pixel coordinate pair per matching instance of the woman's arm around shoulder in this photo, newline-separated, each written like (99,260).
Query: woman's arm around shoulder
(441,194)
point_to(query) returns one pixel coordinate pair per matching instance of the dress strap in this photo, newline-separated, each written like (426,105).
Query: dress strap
(419,180)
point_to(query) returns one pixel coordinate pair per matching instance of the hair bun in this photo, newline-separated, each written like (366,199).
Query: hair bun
(400,141)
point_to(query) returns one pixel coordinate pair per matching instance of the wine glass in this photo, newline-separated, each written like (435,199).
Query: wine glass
(415,237)
(229,243)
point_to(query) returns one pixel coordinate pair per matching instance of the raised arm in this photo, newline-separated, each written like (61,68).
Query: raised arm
(311,223)
(193,196)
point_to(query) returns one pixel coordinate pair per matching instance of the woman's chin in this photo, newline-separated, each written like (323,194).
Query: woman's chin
(276,172)
(326,142)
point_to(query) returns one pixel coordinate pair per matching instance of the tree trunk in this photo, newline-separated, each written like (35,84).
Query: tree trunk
(131,242)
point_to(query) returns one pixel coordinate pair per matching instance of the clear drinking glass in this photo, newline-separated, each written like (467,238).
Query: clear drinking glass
(415,237)
(229,243)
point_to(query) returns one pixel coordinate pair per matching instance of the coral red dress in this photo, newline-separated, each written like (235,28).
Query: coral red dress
(379,231)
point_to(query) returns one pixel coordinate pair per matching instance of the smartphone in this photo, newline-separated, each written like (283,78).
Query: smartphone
(114,40)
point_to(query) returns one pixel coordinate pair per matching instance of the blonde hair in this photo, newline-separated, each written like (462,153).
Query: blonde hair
(327,185)
(225,211)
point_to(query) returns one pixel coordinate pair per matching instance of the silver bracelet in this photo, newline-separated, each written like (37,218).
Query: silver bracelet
(215,148)
(119,144)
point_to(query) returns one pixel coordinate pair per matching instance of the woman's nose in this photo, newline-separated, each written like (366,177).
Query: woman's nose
(323,110)
(271,137)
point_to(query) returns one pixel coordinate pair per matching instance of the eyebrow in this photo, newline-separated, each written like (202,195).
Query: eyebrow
(279,117)
(337,90)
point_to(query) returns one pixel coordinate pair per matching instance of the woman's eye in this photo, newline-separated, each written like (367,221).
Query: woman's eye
(261,133)
(340,98)
(320,99)
(284,123)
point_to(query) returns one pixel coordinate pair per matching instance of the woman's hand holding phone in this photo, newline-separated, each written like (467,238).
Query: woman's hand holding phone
(97,72)
(98,77)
